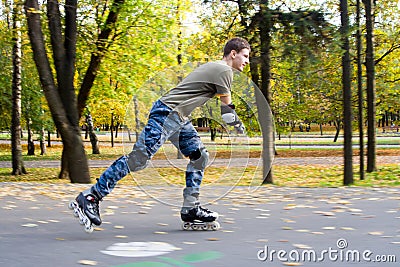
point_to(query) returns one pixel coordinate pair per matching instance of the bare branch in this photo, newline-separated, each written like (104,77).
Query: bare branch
(393,48)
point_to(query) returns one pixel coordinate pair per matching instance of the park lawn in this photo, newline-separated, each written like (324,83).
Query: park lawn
(289,176)
(112,153)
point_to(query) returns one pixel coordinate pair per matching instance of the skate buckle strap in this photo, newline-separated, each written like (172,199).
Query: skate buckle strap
(203,211)
(93,199)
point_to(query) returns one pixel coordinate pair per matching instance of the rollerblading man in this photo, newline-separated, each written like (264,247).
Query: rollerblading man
(168,120)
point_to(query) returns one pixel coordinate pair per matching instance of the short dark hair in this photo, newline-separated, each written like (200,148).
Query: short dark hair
(236,44)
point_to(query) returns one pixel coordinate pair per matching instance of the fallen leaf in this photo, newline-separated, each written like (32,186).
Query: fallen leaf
(302,246)
(376,233)
(318,233)
(161,233)
(347,228)
(87,262)
(303,230)
(29,225)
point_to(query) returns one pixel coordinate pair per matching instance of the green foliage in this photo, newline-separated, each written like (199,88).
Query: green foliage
(5,76)
(145,43)
(149,36)
(33,103)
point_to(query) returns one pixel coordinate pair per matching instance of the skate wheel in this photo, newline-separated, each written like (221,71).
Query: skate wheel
(204,227)
(76,214)
(71,205)
(185,226)
(215,226)
(88,229)
(195,227)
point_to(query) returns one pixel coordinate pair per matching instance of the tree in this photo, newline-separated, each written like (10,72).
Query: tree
(17,162)
(360,92)
(6,68)
(371,93)
(265,46)
(60,96)
(102,45)
(65,106)
(346,85)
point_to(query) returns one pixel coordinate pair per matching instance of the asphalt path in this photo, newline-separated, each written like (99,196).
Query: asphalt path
(266,226)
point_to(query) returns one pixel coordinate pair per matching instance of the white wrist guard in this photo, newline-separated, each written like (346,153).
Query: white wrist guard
(230,117)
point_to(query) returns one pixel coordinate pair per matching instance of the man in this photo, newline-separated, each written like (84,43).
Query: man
(168,120)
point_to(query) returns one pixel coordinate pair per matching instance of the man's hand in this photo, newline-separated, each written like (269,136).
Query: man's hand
(231,118)
(240,129)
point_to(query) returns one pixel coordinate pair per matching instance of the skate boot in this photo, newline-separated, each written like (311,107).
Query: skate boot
(199,218)
(86,207)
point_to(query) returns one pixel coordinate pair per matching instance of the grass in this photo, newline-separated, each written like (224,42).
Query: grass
(291,176)
(388,175)
(395,140)
(168,151)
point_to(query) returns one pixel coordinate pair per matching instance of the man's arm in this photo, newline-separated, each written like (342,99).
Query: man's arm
(226,99)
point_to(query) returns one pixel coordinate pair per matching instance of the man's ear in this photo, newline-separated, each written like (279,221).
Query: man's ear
(233,53)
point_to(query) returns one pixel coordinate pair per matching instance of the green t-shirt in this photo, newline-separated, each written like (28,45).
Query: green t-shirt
(206,81)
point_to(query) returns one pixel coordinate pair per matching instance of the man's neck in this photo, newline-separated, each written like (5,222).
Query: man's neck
(227,61)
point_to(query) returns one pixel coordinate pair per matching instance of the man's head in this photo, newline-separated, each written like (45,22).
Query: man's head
(236,53)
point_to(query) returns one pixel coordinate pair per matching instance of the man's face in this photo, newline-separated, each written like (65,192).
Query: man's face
(240,59)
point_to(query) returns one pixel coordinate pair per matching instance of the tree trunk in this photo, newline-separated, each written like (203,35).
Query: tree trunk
(265,40)
(16,148)
(137,122)
(93,137)
(117,129)
(337,126)
(42,142)
(360,92)
(346,86)
(371,94)
(48,139)
(111,129)
(31,144)
(62,99)
(64,165)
